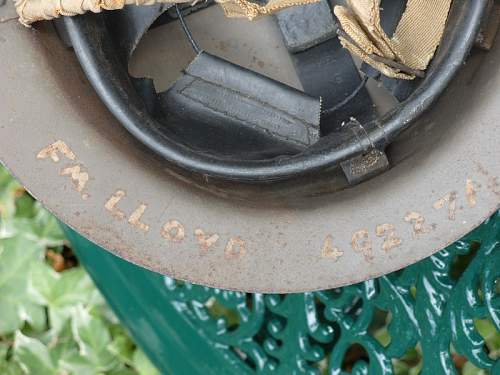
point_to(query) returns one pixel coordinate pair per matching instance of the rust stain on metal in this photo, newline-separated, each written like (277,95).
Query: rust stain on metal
(366,162)
(391,239)
(470,193)
(173,231)
(482,170)
(53,151)
(361,243)
(135,218)
(449,199)
(112,203)
(78,177)
(236,248)
(204,240)
(494,185)
(330,251)
(418,221)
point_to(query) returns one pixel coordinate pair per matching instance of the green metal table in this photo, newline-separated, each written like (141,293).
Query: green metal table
(434,307)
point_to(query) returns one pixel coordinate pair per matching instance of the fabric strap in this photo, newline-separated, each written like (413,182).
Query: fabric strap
(30,11)
(413,44)
(251,10)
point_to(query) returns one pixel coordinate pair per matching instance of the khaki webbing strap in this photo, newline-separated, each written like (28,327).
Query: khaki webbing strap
(251,10)
(30,11)
(413,44)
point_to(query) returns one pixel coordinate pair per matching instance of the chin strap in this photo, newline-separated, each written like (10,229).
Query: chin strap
(250,10)
(30,11)
(408,52)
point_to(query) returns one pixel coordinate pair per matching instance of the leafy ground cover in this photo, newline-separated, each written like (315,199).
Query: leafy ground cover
(53,320)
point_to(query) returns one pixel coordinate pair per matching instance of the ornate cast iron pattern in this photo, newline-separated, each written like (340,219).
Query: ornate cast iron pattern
(433,306)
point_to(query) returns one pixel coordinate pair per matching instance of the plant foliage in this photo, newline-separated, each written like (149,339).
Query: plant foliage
(53,320)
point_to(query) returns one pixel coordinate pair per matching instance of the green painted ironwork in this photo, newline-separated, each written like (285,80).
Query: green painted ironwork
(435,308)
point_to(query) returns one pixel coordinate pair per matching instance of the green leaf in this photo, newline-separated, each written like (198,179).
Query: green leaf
(123,371)
(47,227)
(33,356)
(43,228)
(93,339)
(79,365)
(19,227)
(143,365)
(34,315)
(60,292)
(63,350)
(25,206)
(383,336)
(417,369)
(488,331)
(41,282)
(401,368)
(43,234)
(17,305)
(99,307)
(73,287)
(8,190)
(10,368)
(470,369)
(4,349)
(90,333)
(83,336)
(123,347)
